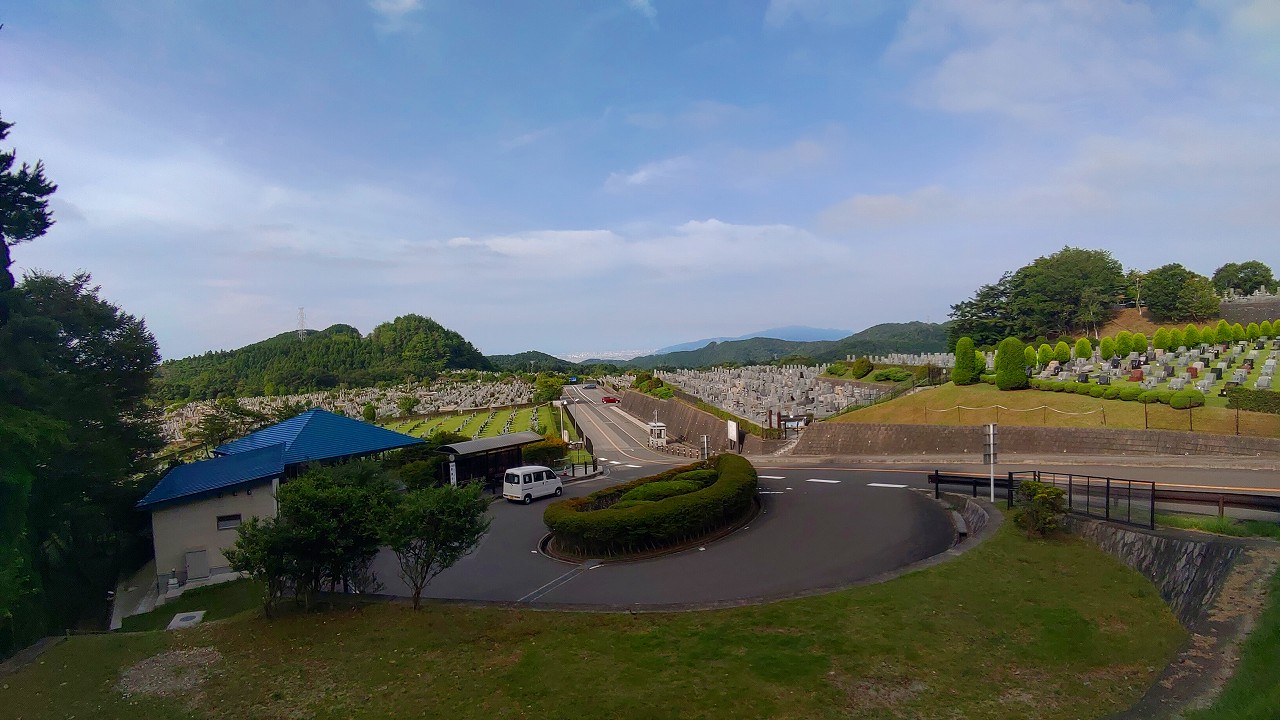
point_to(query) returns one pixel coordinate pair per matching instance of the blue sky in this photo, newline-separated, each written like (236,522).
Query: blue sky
(627,174)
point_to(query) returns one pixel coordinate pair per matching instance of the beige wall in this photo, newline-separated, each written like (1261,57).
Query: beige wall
(194,525)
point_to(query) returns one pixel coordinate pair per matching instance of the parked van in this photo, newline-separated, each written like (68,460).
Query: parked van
(523,484)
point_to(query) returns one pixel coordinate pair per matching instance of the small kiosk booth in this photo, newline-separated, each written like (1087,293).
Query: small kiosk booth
(657,435)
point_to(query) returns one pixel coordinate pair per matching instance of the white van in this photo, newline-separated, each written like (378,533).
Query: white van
(523,484)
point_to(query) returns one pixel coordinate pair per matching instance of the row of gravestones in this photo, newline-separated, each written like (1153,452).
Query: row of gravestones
(947,360)
(759,392)
(1202,368)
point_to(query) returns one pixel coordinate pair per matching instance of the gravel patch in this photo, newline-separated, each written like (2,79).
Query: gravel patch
(169,674)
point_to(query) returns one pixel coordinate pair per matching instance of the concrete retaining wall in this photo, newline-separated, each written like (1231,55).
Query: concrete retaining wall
(1188,570)
(833,438)
(689,424)
(975,516)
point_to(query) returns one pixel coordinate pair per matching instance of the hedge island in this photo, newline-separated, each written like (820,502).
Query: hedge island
(657,512)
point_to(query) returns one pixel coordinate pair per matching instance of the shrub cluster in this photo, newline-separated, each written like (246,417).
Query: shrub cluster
(1266,401)
(1011,372)
(893,374)
(964,372)
(1040,508)
(595,526)
(546,452)
(1179,400)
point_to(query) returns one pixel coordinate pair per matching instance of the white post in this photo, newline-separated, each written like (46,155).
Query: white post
(991,445)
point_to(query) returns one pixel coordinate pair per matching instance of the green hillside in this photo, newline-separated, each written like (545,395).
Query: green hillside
(912,337)
(410,347)
(532,361)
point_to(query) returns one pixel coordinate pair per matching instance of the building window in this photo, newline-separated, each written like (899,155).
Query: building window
(228,522)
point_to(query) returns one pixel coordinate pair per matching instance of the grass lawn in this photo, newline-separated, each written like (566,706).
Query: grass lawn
(218,602)
(1221,526)
(464,424)
(1254,691)
(935,407)
(1012,629)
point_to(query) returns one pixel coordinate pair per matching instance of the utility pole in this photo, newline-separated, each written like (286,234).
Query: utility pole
(989,456)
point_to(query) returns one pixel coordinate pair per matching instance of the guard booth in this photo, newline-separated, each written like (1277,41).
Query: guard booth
(484,460)
(657,435)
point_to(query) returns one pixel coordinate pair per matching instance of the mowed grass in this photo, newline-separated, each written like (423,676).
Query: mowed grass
(218,602)
(1012,629)
(466,425)
(1253,693)
(936,407)
(1221,526)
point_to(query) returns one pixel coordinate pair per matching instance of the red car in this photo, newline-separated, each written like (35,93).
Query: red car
(609,399)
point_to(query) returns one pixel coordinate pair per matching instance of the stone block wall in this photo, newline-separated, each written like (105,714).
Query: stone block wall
(871,439)
(1245,312)
(689,424)
(1187,570)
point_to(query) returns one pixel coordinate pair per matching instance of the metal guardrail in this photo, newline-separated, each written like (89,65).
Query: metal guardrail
(1131,502)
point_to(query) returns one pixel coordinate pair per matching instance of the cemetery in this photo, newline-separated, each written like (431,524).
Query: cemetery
(483,423)
(765,393)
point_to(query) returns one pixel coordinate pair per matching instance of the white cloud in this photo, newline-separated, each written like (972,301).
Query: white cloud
(659,172)
(645,8)
(394,15)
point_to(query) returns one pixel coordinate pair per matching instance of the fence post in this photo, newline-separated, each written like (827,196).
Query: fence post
(1070,494)
(1153,506)
(1009,499)
(1108,498)
(936,492)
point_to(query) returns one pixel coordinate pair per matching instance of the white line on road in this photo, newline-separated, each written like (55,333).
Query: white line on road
(552,585)
(771,492)
(885,485)
(614,462)
(820,480)
(772,477)
(633,466)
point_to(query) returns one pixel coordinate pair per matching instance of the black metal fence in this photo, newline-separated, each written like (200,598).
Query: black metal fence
(1132,502)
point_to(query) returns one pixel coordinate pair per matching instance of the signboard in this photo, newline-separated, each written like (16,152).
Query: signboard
(733,431)
(564,435)
(453,471)
(573,380)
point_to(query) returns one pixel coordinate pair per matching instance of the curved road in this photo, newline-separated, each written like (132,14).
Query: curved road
(825,523)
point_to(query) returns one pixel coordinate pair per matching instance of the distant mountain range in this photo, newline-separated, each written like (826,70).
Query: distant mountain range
(794,333)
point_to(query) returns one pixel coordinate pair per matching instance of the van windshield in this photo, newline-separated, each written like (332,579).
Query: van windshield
(513,478)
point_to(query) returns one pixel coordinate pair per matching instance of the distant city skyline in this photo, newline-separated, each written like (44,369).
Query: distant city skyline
(629,173)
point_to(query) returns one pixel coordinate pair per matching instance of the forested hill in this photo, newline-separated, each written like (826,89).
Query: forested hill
(912,337)
(410,347)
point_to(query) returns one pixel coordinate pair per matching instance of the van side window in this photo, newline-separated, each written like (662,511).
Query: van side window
(537,476)
(551,475)
(528,479)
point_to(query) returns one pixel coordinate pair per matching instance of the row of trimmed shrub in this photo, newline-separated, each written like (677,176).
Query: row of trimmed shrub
(1177,399)
(1267,401)
(595,525)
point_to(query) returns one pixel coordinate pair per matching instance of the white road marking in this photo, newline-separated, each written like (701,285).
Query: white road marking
(771,492)
(603,459)
(772,477)
(890,485)
(634,466)
(820,480)
(614,462)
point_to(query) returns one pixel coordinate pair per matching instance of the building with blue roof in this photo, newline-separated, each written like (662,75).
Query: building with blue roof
(196,508)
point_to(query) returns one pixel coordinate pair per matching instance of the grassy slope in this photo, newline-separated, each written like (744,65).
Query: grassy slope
(1254,692)
(453,422)
(1011,629)
(218,602)
(922,407)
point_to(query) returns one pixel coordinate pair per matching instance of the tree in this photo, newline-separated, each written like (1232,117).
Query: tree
(369,412)
(1266,329)
(24,212)
(261,552)
(1030,354)
(1175,293)
(1238,333)
(407,404)
(430,529)
(1062,352)
(1223,332)
(1176,339)
(1084,349)
(1011,372)
(1045,355)
(1208,335)
(1107,348)
(1252,331)
(1191,335)
(1161,339)
(1124,343)
(1244,278)
(964,373)
(1139,343)
(547,388)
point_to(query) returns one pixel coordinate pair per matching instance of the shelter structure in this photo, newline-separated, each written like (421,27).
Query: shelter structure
(485,459)
(196,508)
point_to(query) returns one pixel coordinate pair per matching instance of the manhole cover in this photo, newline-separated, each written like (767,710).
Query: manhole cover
(186,620)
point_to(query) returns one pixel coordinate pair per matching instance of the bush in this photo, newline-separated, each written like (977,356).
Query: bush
(660,490)
(1029,353)
(1097,391)
(1124,343)
(1011,368)
(663,393)
(1045,355)
(1111,392)
(625,504)
(1057,386)
(860,367)
(1208,336)
(1265,401)
(1266,329)
(1161,340)
(1130,393)
(545,452)
(1176,339)
(1062,352)
(1238,333)
(1148,397)
(1191,336)
(894,374)
(1253,331)
(1165,396)
(1107,348)
(1222,331)
(1084,388)
(1040,508)
(1084,349)
(588,526)
(1186,399)
(1138,343)
(964,372)
(989,379)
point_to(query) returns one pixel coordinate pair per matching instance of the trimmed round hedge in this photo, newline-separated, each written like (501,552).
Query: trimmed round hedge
(599,525)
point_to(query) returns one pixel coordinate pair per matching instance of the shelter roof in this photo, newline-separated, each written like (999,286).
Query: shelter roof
(317,435)
(219,473)
(490,444)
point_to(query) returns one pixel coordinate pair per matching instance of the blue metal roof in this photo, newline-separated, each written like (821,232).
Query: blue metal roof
(317,435)
(217,474)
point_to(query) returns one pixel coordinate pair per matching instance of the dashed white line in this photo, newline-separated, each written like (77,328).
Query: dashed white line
(888,485)
(771,492)
(820,480)
(772,477)
(633,466)
(614,462)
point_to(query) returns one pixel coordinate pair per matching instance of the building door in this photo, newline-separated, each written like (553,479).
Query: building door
(197,565)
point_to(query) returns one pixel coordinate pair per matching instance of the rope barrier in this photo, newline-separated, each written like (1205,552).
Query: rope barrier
(1002,407)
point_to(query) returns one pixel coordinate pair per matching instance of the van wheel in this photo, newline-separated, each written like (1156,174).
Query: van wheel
(559,492)
(528,499)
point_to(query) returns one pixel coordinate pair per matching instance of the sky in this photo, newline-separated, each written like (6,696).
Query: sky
(628,174)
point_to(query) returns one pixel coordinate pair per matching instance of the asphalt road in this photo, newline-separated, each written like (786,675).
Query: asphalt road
(825,523)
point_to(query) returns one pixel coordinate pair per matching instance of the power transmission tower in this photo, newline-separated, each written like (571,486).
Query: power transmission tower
(302,324)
